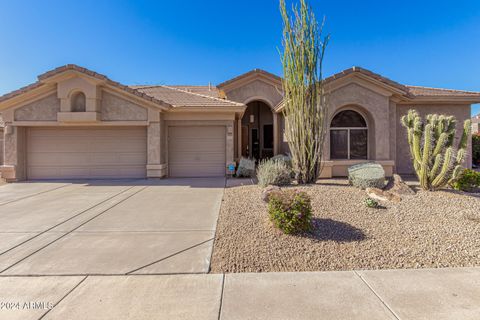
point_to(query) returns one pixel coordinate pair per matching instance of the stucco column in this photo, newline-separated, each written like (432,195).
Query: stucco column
(239,138)
(276,135)
(155,168)
(230,148)
(14,155)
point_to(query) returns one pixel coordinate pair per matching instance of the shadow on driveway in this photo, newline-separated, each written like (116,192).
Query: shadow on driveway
(208,182)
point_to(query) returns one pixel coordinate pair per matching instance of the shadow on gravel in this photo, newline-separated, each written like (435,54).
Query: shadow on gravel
(328,229)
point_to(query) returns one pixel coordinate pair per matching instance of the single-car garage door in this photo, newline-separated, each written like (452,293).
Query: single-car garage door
(86,153)
(196,151)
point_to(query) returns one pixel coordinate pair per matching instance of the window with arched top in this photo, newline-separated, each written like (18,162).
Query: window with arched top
(78,102)
(348,136)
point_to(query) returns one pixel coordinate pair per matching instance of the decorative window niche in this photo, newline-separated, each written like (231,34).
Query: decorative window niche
(78,102)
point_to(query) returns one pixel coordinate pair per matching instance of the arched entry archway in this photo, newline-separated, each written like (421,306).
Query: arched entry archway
(257,131)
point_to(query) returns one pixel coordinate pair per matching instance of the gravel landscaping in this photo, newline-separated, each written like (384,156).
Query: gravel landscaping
(427,230)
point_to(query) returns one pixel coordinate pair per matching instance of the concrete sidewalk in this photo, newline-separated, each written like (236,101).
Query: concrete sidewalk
(387,294)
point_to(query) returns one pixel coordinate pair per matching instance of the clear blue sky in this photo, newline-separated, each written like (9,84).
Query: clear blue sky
(430,43)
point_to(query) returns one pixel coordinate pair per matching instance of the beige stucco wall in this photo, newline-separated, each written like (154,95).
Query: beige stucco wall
(1,146)
(403,160)
(256,90)
(44,109)
(115,108)
(375,109)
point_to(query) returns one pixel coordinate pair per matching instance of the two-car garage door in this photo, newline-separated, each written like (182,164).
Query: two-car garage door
(121,152)
(86,153)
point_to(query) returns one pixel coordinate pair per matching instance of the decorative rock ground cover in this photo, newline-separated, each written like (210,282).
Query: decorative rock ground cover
(426,230)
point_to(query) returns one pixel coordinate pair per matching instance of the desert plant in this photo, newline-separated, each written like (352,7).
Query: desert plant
(435,160)
(290,211)
(367,175)
(476,149)
(274,172)
(469,181)
(305,107)
(282,157)
(246,168)
(371,203)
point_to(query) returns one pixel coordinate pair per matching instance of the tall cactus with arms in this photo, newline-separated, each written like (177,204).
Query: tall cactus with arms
(435,160)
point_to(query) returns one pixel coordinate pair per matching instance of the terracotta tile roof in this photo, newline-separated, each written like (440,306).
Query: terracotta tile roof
(249,73)
(427,91)
(209,90)
(51,73)
(370,74)
(182,98)
(410,91)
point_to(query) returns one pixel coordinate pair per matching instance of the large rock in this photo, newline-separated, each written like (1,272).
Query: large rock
(399,187)
(367,175)
(383,195)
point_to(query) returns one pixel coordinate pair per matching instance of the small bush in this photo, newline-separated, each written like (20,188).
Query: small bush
(367,175)
(371,203)
(274,172)
(246,168)
(469,181)
(282,157)
(290,211)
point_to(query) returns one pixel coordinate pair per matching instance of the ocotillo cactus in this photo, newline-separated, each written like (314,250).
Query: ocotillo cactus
(435,160)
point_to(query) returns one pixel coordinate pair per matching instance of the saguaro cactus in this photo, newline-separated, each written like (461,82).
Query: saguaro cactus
(435,160)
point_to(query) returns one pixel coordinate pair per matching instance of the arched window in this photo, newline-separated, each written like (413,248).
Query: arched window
(348,136)
(78,102)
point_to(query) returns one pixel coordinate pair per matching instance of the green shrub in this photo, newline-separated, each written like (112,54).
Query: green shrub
(476,149)
(367,175)
(469,181)
(246,168)
(274,172)
(290,211)
(371,203)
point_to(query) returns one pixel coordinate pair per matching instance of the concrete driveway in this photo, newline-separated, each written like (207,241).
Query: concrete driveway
(108,227)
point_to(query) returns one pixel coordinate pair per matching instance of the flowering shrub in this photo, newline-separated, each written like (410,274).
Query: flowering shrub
(290,211)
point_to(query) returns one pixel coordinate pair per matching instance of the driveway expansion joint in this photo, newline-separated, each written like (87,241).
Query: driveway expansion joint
(169,256)
(66,295)
(77,227)
(65,221)
(34,194)
(377,295)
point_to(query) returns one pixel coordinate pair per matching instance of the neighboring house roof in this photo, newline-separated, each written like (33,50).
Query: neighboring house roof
(182,98)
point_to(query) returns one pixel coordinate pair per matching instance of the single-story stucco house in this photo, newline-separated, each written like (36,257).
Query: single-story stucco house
(75,123)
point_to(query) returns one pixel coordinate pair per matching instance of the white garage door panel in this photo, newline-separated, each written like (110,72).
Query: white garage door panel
(196,151)
(86,153)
